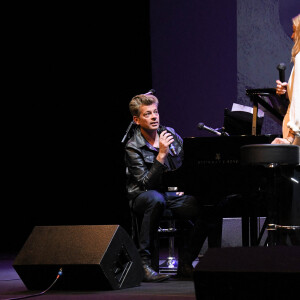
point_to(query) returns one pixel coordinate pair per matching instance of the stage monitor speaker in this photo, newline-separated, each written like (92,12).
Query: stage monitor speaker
(95,257)
(248,273)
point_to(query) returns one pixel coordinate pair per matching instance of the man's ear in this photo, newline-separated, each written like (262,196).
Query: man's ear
(136,120)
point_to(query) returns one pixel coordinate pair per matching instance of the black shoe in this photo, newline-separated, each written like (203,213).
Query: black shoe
(151,276)
(185,271)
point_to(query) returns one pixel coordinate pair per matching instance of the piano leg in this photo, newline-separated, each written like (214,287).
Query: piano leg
(245,231)
(253,231)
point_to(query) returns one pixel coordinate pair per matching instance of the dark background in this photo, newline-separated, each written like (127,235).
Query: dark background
(70,72)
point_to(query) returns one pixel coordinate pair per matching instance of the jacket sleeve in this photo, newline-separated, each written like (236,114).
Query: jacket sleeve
(145,178)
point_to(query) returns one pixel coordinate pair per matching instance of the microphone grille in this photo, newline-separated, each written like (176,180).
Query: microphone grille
(200,125)
(281,66)
(151,92)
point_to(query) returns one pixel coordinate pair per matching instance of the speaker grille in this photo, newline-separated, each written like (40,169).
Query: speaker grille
(92,257)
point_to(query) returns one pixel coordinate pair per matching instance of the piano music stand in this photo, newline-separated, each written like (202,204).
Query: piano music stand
(268,99)
(240,122)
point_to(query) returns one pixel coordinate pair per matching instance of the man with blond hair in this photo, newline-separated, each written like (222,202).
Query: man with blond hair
(150,152)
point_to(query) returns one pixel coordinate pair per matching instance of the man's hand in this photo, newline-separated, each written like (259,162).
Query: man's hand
(179,193)
(165,140)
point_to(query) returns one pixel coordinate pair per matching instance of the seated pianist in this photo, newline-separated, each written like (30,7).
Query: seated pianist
(152,151)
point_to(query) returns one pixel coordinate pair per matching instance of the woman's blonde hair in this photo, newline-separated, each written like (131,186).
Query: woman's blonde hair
(296,48)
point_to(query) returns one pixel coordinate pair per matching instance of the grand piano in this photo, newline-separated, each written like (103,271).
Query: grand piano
(215,161)
(212,170)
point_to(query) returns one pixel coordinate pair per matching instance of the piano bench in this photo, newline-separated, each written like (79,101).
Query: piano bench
(279,163)
(270,155)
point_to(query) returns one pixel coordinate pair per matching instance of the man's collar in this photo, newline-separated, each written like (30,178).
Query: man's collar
(141,141)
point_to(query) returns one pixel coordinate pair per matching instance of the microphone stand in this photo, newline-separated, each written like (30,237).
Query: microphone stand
(217,131)
(127,131)
(222,131)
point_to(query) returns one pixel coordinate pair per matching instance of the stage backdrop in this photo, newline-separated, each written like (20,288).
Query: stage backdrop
(206,53)
(71,71)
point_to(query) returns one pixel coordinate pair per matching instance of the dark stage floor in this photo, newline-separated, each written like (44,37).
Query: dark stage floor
(11,286)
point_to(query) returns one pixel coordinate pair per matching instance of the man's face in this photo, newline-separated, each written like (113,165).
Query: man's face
(148,118)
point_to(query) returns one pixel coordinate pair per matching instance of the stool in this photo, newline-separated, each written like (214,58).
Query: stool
(278,161)
(167,229)
(170,265)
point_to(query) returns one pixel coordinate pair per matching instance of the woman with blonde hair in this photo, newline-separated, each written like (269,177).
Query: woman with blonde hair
(291,122)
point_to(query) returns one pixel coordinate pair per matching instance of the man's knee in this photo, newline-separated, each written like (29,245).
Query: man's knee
(186,207)
(150,200)
(157,199)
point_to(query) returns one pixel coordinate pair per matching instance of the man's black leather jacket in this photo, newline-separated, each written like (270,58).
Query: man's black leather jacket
(143,171)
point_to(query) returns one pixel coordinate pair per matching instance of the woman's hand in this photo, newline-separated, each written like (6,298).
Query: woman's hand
(281,87)
(281,141)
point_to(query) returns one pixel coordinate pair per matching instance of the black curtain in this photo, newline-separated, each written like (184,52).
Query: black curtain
(71,74)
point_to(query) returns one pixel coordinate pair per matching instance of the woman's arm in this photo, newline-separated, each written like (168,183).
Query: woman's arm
(294,122)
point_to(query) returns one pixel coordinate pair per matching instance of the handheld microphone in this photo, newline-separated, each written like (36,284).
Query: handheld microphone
(211,130)
(151,92)
(281,68)
(171,146)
